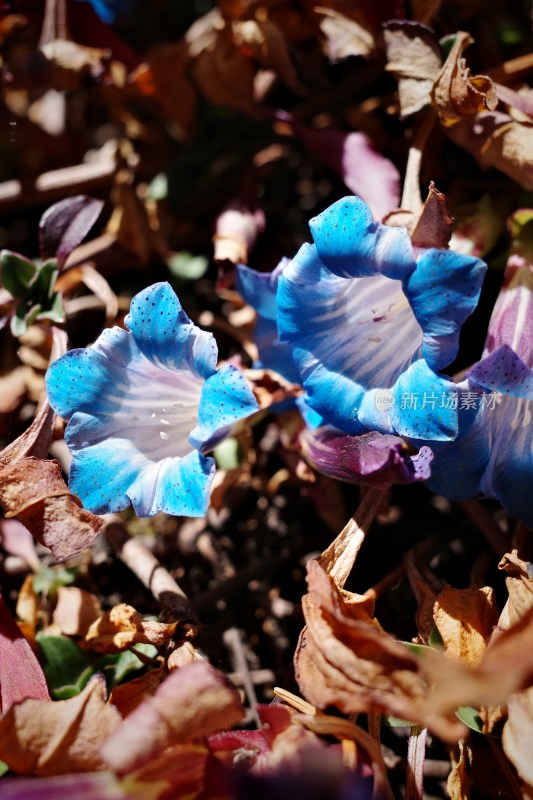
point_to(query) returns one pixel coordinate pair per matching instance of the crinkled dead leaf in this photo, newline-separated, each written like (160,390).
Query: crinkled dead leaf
(190,703)
(460,780)
(495,140)
(164,79)
(75,611)
(465,619)
(353,664)
(220,71)
(21,675)
(270,387)
(518,735)
(344,35)
(34,491)
(126,697)
(27,610)
(414,57)
(266,43)
(433,226)
(519,582)
(456,93)
(42,738)
(122,627)
(426,588)
(35,441)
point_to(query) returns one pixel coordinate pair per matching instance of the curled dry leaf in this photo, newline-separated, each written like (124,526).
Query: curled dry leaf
(35,492)
(433,226)
(414,57)
(43,738)
(126,697)
(517,737)
(456,93)
(346,660)
(344,35)
(465,619)
(190,703)
(122,627)
(266,43)
(21,675)
(519,582)
(75,611)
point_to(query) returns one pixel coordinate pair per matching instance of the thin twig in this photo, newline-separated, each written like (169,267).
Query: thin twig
(416,753)
(149,571)
(232,639)
(338,559)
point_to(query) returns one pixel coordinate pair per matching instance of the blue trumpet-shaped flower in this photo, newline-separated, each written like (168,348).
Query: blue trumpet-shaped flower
(371,321)
(144,405)
(493,454)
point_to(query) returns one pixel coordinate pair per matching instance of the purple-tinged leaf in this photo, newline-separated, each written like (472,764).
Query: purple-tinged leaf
(65,224)
(21,675)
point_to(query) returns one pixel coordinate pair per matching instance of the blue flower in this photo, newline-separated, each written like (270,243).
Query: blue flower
(371,321)
(493,454)
(111,10)
(144,405)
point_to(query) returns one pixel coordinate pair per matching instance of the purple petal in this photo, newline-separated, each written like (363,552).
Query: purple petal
(372,458)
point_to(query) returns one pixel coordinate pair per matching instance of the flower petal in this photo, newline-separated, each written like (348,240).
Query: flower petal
(504,371)
(372,458)
(443,291)
(178,486)
(165,334)
(351,244)
(509,473)
(348,336)
(226,398)
(259,288)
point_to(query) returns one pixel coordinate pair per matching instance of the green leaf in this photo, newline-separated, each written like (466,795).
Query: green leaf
(470,717)
(187,266)
(417,649)
(158,188)
(66,667)
(56,312)
(117,667)
(16,273)
(435,639)
(394,722)
(3,768)
(46,277)
(228,454)
(50,579)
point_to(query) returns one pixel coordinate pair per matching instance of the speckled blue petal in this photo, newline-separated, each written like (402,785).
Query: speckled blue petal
(504,371)
(417,406)
(226,398)
(108,475)
(443,291)
(458,466)
(274,354)
(351,244)
(165,334)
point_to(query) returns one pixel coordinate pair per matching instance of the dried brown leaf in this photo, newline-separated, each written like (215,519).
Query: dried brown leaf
(433,226)
(35,441)
(459,779)
(496,140)
(456,93)
(164,79)
(27,610)
(519,582)
(344,36)
(128,696)
(518,735)
(75,611)
(35,492)
(465,619)
(44,738)
(122,627)
(263,41)
(190,703)
(414,57)
(222,73)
